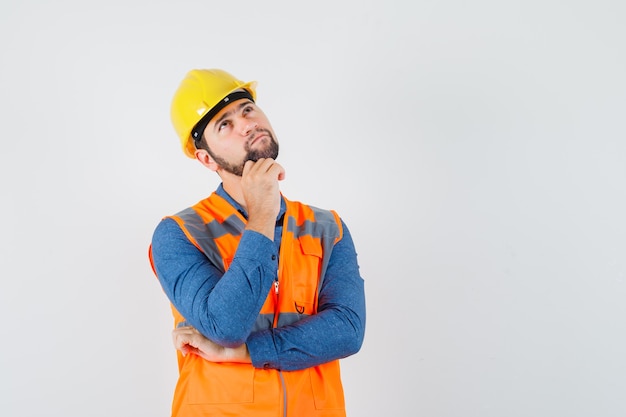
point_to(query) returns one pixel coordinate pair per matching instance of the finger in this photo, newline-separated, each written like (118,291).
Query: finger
(252,167)
(265,164)
(179,335)
(273,168)
(247,167)
(185,330)
(278,170)
(182,338)
(179,341)
(187,349)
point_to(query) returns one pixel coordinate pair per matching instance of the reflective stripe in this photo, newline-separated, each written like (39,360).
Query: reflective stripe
(285,319)
(324,225)
(265,321)
(205,233)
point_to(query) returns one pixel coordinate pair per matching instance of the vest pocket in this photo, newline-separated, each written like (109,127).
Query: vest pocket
(218,383)
(304,276)
(304,308)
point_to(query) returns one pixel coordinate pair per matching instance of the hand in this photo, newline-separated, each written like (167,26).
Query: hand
(188,340)
(259,183)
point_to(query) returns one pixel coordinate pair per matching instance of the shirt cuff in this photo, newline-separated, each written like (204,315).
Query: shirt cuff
(263,350)
(254,245)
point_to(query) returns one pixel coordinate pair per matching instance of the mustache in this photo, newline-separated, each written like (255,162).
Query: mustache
(259,132)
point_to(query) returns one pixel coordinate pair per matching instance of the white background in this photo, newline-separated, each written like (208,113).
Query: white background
(476,150)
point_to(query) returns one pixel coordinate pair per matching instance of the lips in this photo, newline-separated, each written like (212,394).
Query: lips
(256,138)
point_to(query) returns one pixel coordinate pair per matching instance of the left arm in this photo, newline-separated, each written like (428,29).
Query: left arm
(334,332)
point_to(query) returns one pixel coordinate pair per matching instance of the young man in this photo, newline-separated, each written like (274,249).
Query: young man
(266,292)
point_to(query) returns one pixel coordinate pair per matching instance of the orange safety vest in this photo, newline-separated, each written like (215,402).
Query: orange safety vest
(205,388)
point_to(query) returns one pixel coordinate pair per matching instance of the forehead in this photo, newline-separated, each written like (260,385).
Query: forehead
(231,109)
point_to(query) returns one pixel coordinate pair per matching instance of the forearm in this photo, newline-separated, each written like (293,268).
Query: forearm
(231,308)
(318,339)
(335,331)
(222,306)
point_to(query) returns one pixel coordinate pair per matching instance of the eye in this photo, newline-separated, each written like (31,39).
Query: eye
(223,125)
(247,109)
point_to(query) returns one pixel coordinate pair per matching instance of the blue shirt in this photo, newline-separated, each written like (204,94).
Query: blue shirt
(224,306)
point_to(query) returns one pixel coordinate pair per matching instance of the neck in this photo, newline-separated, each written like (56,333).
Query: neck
(232,185)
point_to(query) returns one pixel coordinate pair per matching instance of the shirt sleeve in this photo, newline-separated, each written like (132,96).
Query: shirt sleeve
(336,331)
(222,306)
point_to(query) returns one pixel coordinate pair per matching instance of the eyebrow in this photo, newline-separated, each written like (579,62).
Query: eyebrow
(230,113)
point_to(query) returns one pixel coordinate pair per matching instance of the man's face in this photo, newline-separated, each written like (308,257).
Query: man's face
(240,132)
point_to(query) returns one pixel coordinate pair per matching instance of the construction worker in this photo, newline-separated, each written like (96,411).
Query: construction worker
(266,292)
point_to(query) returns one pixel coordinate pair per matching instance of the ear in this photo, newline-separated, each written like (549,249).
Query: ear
(205,159)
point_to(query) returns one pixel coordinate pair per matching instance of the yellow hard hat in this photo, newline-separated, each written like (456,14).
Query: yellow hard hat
(200,96)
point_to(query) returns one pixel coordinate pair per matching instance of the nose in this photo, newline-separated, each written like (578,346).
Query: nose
(248,126)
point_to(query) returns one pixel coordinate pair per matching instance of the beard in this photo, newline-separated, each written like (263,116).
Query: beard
(270,150)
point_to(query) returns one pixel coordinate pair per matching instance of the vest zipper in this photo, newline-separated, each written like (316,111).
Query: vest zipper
(276,286)
(280,373)
(276,315)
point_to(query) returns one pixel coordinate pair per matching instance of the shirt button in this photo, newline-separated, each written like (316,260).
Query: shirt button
(266,366)
(273,257)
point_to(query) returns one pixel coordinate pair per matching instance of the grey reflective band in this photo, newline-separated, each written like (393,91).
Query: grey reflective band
(198,129)
(266,321)
(206,233)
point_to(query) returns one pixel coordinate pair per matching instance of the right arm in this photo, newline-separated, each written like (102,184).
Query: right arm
(222,306)
(225,306)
